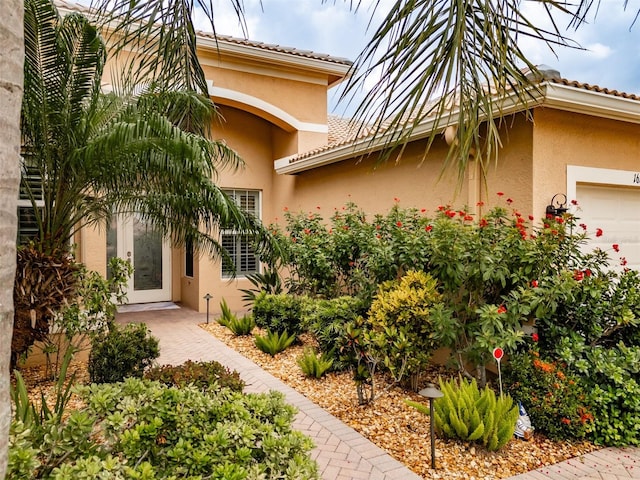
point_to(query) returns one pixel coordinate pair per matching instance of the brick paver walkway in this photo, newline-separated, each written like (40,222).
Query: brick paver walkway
(341,452)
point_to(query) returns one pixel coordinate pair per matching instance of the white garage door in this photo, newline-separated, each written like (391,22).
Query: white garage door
(616,210)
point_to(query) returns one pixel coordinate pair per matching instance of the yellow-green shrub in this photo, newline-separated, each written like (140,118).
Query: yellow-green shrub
(469,414)
(401,322)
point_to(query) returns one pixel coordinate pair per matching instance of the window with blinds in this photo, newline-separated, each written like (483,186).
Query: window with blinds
(238,246)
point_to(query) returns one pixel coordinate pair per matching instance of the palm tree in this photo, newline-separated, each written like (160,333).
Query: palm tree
(89,155)
(11,60)
(95,154)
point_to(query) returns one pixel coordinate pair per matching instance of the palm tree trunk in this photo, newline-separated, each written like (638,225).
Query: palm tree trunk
(11,78)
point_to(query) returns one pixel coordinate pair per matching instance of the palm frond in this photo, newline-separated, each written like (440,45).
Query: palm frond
(165,32)
(449,62)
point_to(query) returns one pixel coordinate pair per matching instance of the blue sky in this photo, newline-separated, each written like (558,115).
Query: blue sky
(611,58)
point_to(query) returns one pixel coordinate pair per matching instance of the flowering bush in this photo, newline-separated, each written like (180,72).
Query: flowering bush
(555,400)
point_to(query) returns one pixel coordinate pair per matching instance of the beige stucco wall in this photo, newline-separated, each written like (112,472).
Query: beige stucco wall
(252,138)
(564,138)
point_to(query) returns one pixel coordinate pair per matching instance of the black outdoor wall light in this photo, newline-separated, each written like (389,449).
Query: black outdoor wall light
(558,205)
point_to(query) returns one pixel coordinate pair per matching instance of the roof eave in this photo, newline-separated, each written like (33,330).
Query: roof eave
(330,67)
(549,94)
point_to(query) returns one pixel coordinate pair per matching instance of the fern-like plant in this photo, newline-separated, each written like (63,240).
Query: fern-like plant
(313,365)
(274,342)
(241,326)
(470,414)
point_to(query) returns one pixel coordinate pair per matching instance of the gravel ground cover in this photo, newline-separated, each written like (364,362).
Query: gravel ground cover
(398,428)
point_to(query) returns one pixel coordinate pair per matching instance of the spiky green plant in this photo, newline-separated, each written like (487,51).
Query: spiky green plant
(274,342)
(470,414)
(226,315)
(242,326)
(313,365)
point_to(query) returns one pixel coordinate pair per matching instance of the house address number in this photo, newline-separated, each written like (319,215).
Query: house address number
(636,178)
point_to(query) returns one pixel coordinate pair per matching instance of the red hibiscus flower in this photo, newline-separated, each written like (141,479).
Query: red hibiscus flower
(534,283)
(399,224)
(531,218)
(578,275)
(616,247)
(428,228)
(500,194)
(598,232)
(502,309)
(535,337)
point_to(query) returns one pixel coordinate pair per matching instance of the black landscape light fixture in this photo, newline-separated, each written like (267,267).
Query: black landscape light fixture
(558,205)
(208,297)
(431,392)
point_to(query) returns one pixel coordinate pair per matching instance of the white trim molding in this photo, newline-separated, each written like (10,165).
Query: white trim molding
(599,176)
(263,109)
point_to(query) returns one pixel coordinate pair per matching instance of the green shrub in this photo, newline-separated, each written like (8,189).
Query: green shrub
(312,365)
(611,376)
(146,430)
(327,320)
(242,326)
(123,351)
(200,374)
(279,313)
(466,413)
(400,323)
(274,342)
(554,399)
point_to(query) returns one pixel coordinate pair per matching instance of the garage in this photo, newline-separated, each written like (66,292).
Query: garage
(615,210)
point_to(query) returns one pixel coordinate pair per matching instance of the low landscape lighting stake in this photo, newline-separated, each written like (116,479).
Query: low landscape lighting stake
(208,297)
(431,392)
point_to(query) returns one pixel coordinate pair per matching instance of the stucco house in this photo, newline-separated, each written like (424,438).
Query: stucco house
(583,142)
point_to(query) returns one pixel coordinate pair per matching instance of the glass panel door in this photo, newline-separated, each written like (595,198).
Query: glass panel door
(135,241)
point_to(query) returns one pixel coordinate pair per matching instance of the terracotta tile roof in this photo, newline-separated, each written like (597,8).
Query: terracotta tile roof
(76,7)
(275,48)
(594,88)
(343,131)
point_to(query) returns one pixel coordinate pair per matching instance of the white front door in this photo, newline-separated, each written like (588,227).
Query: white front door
(132,239)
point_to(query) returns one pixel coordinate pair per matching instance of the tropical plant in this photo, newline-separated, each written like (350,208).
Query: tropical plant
(226,315)
(121,352)
(36,302)
(466,413)
(242,326)
(274,342)
(401,323)
(204,375)
(279,313)
(313,365)
(327,320)
(268,281)
(87,148)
